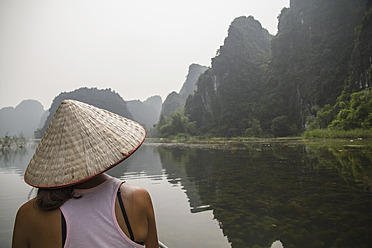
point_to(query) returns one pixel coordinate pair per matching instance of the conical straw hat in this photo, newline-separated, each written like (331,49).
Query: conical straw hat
(81,142)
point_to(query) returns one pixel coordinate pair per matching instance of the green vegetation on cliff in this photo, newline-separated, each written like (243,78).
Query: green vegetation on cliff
(315,73)
(309,59)
(226,102)
(353,108)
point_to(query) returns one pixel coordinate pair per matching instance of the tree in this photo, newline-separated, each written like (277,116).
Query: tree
(280,126)
(177,123)
(356,113)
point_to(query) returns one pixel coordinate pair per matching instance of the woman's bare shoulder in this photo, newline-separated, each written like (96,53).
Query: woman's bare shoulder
(135,193)
(27,210)
(30,213)
(32,222)
(23,225)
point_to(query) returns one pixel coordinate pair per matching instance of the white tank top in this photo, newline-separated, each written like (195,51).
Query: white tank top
(91,220)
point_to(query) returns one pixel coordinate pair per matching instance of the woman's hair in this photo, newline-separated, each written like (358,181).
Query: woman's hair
(49,199)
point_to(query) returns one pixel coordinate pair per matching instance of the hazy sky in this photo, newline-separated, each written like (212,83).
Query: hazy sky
(137,48)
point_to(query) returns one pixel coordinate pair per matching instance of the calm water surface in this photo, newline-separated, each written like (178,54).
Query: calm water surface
(303,195)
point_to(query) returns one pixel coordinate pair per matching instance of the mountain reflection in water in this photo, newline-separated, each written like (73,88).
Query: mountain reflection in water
(304,196)
(285,194)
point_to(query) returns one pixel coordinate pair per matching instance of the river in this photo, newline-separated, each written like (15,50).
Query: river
(289,193)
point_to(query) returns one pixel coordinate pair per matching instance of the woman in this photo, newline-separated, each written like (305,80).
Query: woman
(77,204)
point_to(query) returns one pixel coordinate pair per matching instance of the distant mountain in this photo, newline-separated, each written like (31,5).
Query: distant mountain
(43,118)
(146,113)
(174,100)
(105,99)
(23,119)
(155,102)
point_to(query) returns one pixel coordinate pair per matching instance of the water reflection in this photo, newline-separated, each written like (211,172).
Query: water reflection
(295,194)
(305,197)
(353,163)
(177,226)
(13,191)
(145,163)
(16,159)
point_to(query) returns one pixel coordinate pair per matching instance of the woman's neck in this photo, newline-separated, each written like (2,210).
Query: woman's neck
(93,182)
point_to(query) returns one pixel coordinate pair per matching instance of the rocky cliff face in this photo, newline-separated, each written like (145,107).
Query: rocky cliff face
(174,100)
(262,83)
(228,93)
(189,86)
(172,103)
(24,119)
(361,58)
(310,55)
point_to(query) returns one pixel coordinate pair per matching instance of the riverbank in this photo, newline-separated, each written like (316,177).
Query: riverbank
(355,134)
(220,143)
(13,142)
(317,137)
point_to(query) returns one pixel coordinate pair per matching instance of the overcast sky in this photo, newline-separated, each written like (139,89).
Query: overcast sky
(137,48)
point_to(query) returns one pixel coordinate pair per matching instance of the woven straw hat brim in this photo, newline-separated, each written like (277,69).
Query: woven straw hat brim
(81,142)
